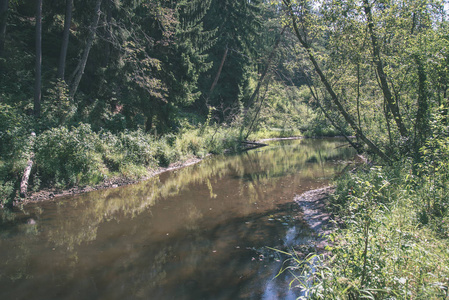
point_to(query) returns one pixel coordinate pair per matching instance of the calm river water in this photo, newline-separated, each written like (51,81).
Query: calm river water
(195,233)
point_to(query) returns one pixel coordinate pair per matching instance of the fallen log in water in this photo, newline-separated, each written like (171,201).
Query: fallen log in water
(27,171)
(255,143)
(252,145)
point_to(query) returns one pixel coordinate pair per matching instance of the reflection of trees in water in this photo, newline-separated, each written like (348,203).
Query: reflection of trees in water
(263,168)
(77,219)
(188,268)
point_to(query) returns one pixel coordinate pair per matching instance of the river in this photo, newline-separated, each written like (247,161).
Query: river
(199,232)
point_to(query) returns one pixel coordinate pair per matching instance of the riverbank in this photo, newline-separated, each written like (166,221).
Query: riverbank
(74,160)
(52,193)
(68,161)
(217,214)
(314,205)
(118,181)
(393,238)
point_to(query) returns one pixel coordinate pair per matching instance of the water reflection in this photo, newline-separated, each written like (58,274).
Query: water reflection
(195,233)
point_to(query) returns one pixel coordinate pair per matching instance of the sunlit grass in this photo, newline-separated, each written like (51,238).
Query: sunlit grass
(383,250)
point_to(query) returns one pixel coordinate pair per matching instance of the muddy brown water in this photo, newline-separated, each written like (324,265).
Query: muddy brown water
(196,233)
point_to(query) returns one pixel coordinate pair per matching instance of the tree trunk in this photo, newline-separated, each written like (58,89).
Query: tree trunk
(65,38)
(26,177)
(267,67)
(259,83)
(331,91)
(217,76)
(108,34)
(358,95)
(387,118)
(27,171)
(3,23)
(421,124)
(356,146)
(38,75)
(90,40)
(392,104)
(149,123)
(257,113)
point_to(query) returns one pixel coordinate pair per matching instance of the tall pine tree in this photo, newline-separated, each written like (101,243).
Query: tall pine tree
(238,25)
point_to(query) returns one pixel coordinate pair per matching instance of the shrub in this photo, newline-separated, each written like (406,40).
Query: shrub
(68,157)
(12,131)
(79,156)
(190,142)
(220,139)
(58,107)
(6,192)
(433,169)
(137,148)
(319,126)
(166,153)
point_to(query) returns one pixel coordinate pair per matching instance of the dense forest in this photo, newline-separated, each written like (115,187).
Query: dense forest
(117,87)
(94,90)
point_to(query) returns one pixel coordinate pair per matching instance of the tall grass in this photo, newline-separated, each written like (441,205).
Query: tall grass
(78,155)
(392,241)
(65,157)
(384,250)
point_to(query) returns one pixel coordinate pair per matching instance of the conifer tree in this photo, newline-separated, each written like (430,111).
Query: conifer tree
(187,59)
(238,25)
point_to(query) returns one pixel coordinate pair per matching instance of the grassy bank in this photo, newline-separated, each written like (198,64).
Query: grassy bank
(66,157)
(75,149)
(393,239)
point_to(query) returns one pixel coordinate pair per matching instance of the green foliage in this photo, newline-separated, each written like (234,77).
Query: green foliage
(166,152)
(287,111)
(128,153)
(187,59)
(58,108)
(238,27)
(7,191)
(137,147)
(384,81)
(14,147)
(7,187)
(65,157)
(433,170)
(68,157)
(393,237)
(9,125)
(321,127)
(209,139)
(382,250)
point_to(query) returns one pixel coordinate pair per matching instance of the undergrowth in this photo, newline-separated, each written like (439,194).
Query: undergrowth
(393,240)
(69,156)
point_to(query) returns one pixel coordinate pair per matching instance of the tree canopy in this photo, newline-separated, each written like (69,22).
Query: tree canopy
(376,70)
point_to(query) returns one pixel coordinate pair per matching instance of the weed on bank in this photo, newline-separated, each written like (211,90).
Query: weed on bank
(393,238)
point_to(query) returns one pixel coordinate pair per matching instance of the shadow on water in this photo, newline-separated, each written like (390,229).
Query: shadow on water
(195,233)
